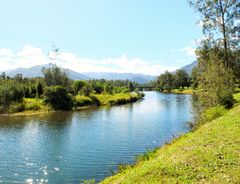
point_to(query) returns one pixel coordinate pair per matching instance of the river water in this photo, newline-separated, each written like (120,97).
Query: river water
(67,147)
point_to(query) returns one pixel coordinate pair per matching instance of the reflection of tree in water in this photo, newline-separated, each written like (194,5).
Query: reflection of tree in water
(55,119)
(196,109)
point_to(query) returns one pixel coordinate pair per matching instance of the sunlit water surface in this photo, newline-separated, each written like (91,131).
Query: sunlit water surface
(67,147)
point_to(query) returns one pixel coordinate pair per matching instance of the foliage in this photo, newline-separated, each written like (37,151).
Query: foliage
(91,181)
(149,154)
(237,97)
(120,98)
(211,114)
(39,94)
(54,76)
(86,90)
(168,81)
(10,91)
(216,82)
(83,101)
(78,85)
(181,79)
(165,81)
(58,98)
(219,20)
(39,89)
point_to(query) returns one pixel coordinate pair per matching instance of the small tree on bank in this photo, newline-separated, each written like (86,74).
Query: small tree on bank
(216,82)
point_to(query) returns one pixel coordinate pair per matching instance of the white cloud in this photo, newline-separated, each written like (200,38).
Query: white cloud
(189,51)
(31,56)
(5,52)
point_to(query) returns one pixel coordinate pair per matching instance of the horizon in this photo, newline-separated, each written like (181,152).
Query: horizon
(10,70)
(122,37)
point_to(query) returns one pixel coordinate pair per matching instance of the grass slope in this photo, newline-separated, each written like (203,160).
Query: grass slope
(211,154)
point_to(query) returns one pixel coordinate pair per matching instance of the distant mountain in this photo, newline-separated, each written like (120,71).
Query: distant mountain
(36,71)
(188,68)
(140,78)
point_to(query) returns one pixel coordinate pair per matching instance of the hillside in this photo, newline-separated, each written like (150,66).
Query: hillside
(211,154)
(36,71)
(188,68)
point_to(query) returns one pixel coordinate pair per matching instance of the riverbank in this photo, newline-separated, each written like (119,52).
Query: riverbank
(208,155)
(35,106)
(189,91)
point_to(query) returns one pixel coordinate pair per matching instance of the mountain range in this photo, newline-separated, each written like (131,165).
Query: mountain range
(36,71)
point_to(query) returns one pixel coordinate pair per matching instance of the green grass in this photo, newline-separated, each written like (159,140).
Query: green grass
(183,91)
(116,99)
(83,100)
(210,154)
(34,104)
(237,97)
(29,106)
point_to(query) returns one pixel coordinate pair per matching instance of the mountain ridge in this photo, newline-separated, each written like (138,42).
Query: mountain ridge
(36,71)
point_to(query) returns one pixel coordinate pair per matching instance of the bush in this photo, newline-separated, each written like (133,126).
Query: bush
(32,104)
(212,113)
(16,107)
(227,102)
(58,98)
(83,101)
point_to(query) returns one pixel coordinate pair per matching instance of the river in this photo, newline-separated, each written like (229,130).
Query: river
(67,147)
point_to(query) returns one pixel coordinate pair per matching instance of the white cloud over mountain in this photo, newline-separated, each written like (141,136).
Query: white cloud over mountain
(31,56)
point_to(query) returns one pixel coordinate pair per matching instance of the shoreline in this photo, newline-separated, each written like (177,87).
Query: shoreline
(184,158)
(40,112)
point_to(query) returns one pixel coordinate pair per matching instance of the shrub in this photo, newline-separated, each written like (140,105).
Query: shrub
(227,102)
(83,100)
(212,113)
(58,98)
(32,104)
(16,107)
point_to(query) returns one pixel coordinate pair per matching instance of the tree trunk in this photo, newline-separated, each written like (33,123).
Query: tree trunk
(224,36)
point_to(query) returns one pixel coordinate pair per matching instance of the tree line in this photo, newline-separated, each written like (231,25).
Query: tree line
(168,81)
(55,88)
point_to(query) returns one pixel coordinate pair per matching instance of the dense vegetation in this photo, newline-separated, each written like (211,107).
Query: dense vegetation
(169,81)
(57,92)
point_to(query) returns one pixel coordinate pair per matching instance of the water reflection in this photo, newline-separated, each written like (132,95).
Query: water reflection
(66,147)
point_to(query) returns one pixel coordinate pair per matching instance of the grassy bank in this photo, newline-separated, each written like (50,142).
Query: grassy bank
(183,91)
(107,99)
(211,154)
(33,106)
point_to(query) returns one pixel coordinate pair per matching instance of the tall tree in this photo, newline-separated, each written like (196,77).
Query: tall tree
(54,76)
(181,79)
(220,18)
(165,81)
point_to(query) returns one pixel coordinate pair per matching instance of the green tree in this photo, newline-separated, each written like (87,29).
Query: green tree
(130,86)
(181,79)
(86,90)
(58,98)
(194,77)
(216,83)
(78,85)
(220,22)
(3,76)
(54,76)
(39,89)
(165,81)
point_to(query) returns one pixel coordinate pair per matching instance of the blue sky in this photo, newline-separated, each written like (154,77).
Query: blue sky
(99,35)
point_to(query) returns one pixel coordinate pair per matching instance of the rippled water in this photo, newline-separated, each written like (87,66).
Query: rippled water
(67,147)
